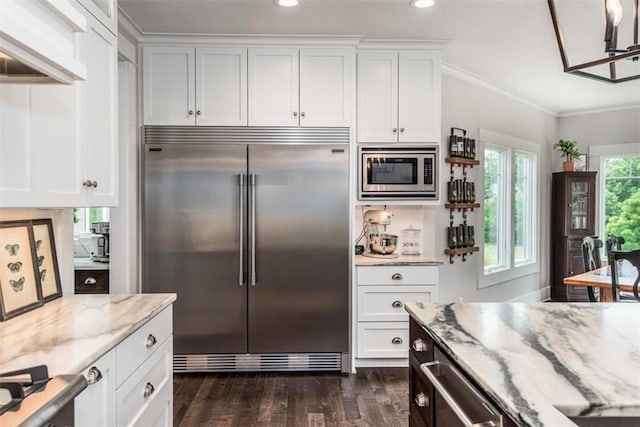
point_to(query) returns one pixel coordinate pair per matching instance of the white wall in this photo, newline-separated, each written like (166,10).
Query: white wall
(610,127)
(63,235)
(471,106)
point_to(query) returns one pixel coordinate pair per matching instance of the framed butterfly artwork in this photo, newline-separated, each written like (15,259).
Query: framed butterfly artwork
(46,259)
(19,280)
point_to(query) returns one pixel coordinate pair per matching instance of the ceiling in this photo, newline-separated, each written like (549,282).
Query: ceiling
(508,43)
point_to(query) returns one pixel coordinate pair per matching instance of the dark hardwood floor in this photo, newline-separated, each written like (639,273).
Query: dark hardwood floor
(372,397)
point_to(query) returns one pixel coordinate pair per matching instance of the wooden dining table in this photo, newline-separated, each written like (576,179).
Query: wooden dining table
(601,278)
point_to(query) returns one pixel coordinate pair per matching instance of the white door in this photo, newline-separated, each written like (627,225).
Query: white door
(273,87)
(99,115)
(96,405)
(221,86)
(168,79)
(325,87)
(377,97)
(419,97)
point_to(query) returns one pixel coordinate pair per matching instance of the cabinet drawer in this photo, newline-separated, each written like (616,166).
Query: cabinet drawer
(397,275)
(387,339)
(92,282)
(140,391)
(386,303)
(159,411)
(140,345)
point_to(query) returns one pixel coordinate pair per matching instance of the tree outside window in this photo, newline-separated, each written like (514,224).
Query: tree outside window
(622,199)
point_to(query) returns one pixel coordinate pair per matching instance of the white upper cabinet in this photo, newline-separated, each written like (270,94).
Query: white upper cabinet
(58,145)
(300,87)
(189,86)
(221,86)
(105,11)
(169,85)
(399,96)
(273,87)
(325,87)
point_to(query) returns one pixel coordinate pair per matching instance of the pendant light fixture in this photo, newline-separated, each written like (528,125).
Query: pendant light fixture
(619,60)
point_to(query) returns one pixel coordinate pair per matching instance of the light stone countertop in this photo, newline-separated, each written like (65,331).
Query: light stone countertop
(401,260)
(89,264)
(540,361)
(69,333)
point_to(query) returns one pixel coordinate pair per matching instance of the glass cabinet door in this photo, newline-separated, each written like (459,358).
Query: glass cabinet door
(579,205)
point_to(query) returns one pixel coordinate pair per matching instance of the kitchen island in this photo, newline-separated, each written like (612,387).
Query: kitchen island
(546,364)
(122,344)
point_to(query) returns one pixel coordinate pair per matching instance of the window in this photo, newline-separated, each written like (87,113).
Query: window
(84,217)
(621,176)
(510,207)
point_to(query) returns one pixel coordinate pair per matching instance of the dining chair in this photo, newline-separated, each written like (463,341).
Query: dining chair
(632,257)
(613,243)
(591,259)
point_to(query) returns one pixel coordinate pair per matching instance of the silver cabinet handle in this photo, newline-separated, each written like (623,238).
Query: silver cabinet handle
(302,115)
(94,375)
(396,304)
(252,185)
(419,345)
(90,281)
(198,112)
(241,228)
(401,129)
(87,183)
(396,340)
(94,184)
(151,341)
(430,367)
(421,400)
(395,130)
(295,114)
(149,389)
(191,112)
(396,276)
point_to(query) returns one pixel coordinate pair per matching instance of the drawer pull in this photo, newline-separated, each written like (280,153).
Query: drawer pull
(90,281)
(396,304)
(396,340)
(149,389)
(151,341)
(419,345)
(396,276)
(421,400)
(94,375)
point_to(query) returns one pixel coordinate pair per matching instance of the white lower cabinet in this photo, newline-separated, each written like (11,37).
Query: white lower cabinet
(382,333)
(132,384)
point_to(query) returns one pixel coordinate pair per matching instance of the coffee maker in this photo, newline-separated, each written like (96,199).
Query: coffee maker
(379,243)
(101,228)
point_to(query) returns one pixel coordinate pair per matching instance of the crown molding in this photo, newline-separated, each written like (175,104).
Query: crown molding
(493,86)
(249,39)
(611,109)
(127,26)
(401,44)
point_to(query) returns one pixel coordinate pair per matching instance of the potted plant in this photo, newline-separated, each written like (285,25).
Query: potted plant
(569,150)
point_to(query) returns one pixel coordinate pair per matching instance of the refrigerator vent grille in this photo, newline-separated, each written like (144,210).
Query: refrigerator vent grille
(244,135)
(257,362)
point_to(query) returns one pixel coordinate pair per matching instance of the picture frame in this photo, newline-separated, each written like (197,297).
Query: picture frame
(46,259)
(19,282)
(581,164)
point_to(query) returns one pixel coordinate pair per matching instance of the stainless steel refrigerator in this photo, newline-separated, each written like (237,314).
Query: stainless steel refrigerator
(249,226)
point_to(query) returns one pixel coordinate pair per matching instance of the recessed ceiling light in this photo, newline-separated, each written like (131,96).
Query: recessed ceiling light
(286,3)
(422,3)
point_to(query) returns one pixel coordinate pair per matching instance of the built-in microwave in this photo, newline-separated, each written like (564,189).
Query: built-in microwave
(409,172)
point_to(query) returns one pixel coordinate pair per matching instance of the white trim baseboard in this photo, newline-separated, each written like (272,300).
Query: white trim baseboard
(539,295)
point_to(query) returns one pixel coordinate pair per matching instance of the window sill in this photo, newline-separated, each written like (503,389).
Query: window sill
(501,276)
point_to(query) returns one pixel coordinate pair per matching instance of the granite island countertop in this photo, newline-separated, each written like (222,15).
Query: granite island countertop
(543,362)
(69,333)
(400,260)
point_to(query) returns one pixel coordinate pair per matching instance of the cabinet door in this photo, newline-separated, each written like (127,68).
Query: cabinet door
(325,87)
(168,81)
(581,204)
(96,405)
(17,156)
(98,115)
(221,86)
(419,97)
(377,97)
(273,87)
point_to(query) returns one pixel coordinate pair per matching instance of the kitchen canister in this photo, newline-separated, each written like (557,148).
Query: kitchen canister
(411,241)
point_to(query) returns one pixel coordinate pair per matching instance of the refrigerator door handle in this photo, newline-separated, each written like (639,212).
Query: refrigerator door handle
(252,184)
(241,228)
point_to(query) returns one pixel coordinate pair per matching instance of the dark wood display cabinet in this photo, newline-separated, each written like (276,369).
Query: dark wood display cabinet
(573,207)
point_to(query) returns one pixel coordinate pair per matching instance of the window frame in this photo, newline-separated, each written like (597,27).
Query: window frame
(510,146)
